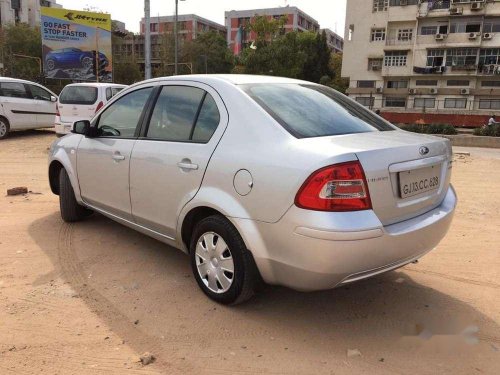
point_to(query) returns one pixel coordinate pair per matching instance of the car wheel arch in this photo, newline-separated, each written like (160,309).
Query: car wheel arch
(54,170)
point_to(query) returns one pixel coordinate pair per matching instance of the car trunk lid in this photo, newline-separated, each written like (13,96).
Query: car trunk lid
(78,103)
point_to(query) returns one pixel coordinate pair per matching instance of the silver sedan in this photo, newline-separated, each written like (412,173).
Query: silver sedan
(258,179)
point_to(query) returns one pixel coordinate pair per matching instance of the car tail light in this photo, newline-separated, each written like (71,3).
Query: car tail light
(99,106)
(339,187)
(57,110)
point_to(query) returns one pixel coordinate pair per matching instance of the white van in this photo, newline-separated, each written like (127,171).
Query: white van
(25,105)
(80,101)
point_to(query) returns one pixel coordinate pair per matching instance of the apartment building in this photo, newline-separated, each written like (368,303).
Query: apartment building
(435,60)
(334,40)
(237,20)
(189,26)
(35,9)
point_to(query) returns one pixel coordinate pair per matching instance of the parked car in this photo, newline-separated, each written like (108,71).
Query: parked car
(81,101)
(259,177)
(66,58)
(25,105)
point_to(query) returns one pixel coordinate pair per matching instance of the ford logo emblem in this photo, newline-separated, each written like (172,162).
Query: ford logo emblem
(423,150)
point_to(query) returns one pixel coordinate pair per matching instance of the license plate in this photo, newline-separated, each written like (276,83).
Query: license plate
(418,181)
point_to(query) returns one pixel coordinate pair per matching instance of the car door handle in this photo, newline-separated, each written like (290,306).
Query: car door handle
(187,165)
(118,157)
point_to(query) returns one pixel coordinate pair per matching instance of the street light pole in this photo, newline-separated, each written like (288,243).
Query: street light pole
(147,39)
(176,38)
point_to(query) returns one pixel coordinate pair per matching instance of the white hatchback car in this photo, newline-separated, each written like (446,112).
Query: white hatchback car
(81,101)
(25,105)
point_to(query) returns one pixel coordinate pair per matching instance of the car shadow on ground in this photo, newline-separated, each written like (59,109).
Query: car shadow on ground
(26,134)
(145,293)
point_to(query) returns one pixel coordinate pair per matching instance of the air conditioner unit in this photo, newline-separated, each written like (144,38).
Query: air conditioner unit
(412,91)
(440,36)
(473,36)
(433,91)
(487,36)
(464,91)
(380,90)
(455,11)
(476,5)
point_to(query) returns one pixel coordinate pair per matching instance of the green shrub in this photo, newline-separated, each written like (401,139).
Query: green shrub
(488,131)
(430,129)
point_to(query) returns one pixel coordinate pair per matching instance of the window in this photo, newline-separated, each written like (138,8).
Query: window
(457,82)
(395,58)
(491,26)
(112,91)
(14,90)
(489,104)
(394,3)
(375,64)
(83,95)
(435,57)
(397,84)
(175,112)
(208,120)
(424,103)
(465,27)
(40,94)
(380,5)
(461,57)
(366,101)
(366,84)
(395,102)
(428,30)
(405,35)
(459,103)
(307,110)
(378,35)
(121,118)
(426,82)
(490,84)
(489,56)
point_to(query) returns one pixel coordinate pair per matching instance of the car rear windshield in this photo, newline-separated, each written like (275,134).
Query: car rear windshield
(84,95)
(308,111)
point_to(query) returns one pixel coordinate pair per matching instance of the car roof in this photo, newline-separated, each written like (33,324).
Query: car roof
(96,84)
(235,79)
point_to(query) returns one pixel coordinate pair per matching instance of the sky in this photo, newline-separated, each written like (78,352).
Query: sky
(329,13)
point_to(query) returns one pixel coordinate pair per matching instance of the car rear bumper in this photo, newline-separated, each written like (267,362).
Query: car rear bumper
(63,127)
(338,248)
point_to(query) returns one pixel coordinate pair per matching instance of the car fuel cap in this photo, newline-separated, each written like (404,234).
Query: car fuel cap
(243,182)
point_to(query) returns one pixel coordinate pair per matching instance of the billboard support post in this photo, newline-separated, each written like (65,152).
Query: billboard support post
(96,62)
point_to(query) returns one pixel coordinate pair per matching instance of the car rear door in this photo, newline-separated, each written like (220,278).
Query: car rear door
(169,159)
(18,105)
(103,161)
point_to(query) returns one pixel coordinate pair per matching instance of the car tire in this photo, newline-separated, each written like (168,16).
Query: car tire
(244,275)
(51,65)
(71,211)
(4,128)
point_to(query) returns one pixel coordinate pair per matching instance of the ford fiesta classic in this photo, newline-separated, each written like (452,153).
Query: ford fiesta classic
(258,178)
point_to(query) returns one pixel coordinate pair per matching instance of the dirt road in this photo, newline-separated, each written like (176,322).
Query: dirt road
(89,298)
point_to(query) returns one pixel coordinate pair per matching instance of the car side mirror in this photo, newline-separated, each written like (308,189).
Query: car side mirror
(53,99)
(81,127)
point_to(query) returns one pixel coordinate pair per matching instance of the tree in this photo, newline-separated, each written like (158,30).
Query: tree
(208,53)
(316,48)
(127,72)
(21,39)
(265,29)
(337,82)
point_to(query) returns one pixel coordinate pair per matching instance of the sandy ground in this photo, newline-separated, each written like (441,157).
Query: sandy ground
(89,298)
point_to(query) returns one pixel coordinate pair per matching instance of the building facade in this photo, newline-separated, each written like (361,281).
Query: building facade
(34,9)
(434,61)
(189,26)
(237,20)
(334,40)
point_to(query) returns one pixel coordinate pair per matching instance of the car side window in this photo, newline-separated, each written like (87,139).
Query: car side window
(108,93)
(14,90)
(175,113)
(121,118)
(39,93)
(208,120)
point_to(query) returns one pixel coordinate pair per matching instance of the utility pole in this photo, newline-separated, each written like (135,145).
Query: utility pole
(176,37)
(147,39)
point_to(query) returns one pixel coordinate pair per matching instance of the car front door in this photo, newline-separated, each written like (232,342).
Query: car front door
(45,107)
(18,105)
(103,161)
(169,159)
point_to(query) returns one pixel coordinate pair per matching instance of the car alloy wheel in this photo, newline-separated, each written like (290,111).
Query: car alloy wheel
(3,129)
(214,262)
(51,64)
(87,62)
